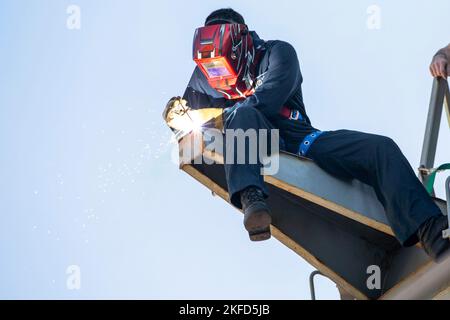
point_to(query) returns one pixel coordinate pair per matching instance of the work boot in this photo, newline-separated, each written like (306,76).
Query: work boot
(430,236)
(257,217)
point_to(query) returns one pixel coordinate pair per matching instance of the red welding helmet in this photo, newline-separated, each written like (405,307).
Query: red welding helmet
(225,54)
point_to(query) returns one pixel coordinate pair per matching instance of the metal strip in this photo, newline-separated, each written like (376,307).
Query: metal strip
(447,103)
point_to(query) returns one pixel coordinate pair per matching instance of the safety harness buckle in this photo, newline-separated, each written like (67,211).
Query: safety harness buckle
(291,114)
(295,115)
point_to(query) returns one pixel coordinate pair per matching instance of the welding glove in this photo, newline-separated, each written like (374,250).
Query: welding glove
(175,106)
(181,118)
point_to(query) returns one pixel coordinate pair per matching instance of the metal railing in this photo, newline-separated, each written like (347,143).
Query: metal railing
(440,96)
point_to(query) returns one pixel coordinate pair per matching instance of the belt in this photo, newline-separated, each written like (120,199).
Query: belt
(291,114)
(308,141)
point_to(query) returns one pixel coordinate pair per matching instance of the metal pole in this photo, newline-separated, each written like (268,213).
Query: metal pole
(311,283)
(447,191)
(432,128)
(446,233)
(447,103)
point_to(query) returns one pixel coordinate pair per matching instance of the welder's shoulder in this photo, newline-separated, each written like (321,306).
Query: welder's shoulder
(283,50)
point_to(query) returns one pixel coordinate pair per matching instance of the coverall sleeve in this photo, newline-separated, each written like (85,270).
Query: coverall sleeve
(199,93)
(280,82)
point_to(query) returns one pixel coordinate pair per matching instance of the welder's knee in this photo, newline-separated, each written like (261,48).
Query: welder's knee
(384,144)
(244,117)
(246,112)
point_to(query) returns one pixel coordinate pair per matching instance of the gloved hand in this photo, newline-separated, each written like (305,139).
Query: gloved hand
(175,107)
(181,118)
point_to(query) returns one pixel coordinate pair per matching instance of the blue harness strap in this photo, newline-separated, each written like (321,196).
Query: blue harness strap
(307,142)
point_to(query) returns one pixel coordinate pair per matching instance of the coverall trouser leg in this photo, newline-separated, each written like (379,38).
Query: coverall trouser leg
(241,176)
(377,161)
(373,159)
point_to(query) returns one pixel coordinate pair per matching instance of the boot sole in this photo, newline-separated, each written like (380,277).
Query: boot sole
(257,223)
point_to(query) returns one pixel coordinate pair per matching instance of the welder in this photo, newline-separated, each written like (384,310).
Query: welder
(259,85)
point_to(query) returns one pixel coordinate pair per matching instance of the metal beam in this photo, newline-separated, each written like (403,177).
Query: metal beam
(426,283)
(338,246)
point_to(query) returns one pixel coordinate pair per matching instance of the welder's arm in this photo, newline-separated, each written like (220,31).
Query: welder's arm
(280,82)
(200,95)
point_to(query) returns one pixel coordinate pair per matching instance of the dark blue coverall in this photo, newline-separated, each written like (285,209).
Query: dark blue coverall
(373,159)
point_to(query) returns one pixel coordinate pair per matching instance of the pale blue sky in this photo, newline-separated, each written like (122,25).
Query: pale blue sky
(86,171)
